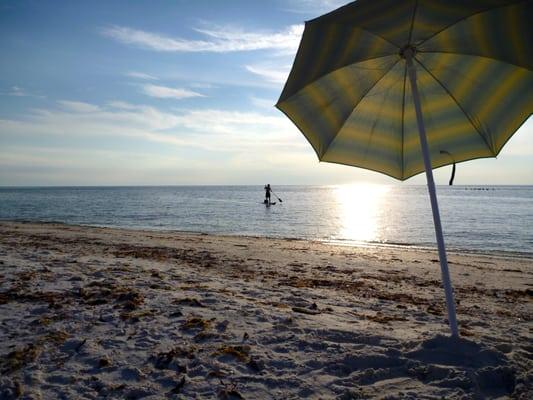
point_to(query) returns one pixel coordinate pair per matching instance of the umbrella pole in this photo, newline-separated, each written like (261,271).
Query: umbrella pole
(450,303)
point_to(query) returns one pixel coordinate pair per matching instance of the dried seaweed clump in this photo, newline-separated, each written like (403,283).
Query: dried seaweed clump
(242,353)
(163,360)
(130,299)
(103,292)
(58,337)
(135,316)
(196,323)
(19,358)
(189,301)
(229,391)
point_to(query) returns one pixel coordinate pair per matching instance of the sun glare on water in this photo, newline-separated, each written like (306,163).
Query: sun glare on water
(359,209)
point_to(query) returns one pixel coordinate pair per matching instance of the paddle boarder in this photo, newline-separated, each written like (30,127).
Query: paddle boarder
(267,193)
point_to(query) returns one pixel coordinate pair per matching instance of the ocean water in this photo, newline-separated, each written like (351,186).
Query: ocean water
(484,219)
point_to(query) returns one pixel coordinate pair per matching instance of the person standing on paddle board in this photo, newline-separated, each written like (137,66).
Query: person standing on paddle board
(267,193)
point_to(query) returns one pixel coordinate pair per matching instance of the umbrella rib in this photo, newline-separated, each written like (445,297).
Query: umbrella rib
(471,15)
(412,22)
(460,107)
(379,36)
(376,82)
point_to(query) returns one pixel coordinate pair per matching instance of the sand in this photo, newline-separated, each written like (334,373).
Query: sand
(90,313)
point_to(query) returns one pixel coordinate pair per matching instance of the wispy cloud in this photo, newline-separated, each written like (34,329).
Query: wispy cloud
(225,130)
(219,40)
(249,143)
(203,85)
(270,74)
(42,165)
(141,75)
(78,106)
(124,105)
(263,103)
(313,7)
(163,92)
(18,91)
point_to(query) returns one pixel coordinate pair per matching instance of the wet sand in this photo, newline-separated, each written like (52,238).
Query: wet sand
(109,313)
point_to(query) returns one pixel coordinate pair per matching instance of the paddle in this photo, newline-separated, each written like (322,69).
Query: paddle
(281,201)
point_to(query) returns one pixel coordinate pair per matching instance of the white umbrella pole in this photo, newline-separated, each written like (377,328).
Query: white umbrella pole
(450,303)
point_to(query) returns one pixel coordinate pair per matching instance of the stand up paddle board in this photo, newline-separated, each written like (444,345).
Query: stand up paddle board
(266,203)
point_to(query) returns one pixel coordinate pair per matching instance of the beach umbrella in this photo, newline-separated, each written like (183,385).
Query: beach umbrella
(396,86)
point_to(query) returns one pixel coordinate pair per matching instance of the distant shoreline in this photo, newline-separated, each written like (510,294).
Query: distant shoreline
(334,242)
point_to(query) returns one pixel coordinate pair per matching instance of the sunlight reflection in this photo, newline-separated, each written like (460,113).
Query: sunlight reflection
(359,208)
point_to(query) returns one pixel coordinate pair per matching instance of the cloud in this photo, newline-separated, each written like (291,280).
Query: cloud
(42,165)
(240,125)
(219,40)
(123,105)
(89,120)
(262,103)
(210,129)
(203,85)
(78,106)
(163,92)
(208,146)
(17,91)
(270,74)
(314,7)
(141,75)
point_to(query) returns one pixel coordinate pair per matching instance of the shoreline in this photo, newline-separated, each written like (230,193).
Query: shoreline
(333,242)
(87,312)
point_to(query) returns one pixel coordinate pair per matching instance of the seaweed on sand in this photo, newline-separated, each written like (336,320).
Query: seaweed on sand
(57,337)
(382,318)
(103,292)
(189,301)
(131,316)
(229,391)
(162,360)
(308,311)
(130,299)
(19,358)
(20,294)
(205,335)
(194,322)
(241,353)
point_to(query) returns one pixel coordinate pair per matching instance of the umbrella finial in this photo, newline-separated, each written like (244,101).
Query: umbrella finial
(408,51)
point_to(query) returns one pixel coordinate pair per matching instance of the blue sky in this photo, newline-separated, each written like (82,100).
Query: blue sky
(171,92)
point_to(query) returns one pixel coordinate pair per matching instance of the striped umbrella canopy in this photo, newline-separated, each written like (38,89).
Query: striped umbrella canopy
(404,86)
(348,90)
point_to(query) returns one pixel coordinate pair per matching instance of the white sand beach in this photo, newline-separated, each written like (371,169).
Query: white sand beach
(89,313)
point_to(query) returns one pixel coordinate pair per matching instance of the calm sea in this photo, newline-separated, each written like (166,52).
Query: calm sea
(485,219)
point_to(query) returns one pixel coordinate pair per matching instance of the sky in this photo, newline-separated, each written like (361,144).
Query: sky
(168,92)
